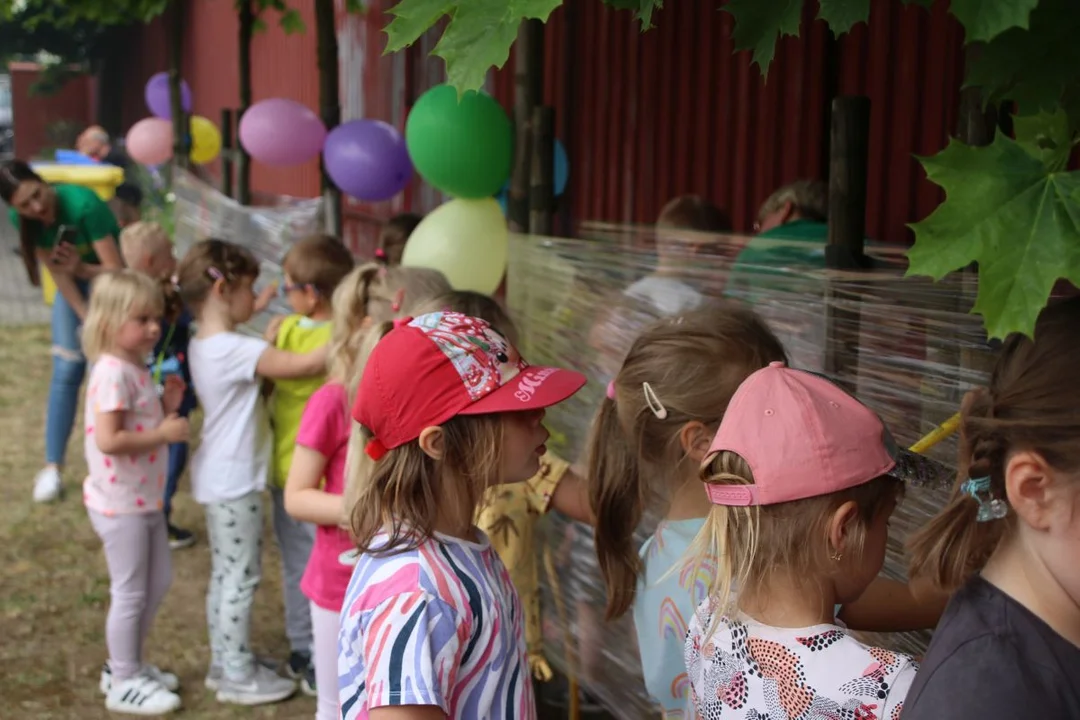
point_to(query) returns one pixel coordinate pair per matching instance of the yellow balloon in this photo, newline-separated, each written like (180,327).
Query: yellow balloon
(205,140)
(466,240)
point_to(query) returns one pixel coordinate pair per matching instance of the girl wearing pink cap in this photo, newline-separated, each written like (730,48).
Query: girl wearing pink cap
(1009,643)
(803,480)
(431,625)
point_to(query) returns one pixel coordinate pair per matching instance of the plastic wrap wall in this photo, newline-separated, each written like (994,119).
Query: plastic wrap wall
(908,348)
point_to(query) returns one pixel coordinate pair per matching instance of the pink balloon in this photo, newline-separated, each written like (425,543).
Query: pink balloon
(281,132)
(150,141)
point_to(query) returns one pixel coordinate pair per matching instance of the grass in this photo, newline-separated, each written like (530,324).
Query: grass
(54,588)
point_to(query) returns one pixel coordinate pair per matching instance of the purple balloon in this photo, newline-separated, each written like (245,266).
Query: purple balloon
(281,132)
(157,96)
(367,159)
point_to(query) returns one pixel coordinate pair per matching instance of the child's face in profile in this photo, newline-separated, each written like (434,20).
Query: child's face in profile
(524,436)
(303,299)
(158,262)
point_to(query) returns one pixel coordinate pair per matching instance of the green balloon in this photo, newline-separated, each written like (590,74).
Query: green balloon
(464,148)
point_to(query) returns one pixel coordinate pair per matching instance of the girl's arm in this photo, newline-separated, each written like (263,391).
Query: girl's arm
(282,364)
(64,278)
(892,606)
(303,498)
(571,498)
(407,712)
(113,439)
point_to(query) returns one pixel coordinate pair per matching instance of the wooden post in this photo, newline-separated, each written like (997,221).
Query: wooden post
(329,102)
(848,158)
(227,151)
(243,160)
(528,93)
(542,164)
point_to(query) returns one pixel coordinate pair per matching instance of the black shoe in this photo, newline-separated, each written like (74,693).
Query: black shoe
(180,538)
(307,682)
(299,667)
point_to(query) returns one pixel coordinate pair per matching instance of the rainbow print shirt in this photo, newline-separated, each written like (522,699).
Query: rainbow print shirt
(439,625)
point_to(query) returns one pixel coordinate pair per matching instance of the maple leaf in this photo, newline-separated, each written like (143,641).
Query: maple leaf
(1006,212)
(986,19)
(477,38)
(842,15)
(643,9)
(758,23)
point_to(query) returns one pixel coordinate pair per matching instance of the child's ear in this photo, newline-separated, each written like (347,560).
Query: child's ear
(432,442)
(695,439)
(842,523)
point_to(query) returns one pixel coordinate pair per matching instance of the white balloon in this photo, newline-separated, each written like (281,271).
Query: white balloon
(466,240)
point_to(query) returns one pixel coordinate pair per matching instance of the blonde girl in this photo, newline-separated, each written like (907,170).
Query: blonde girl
(230,467)
(431,625)
(127,431)
(1009,643)
(647,443)
(803,480)
(368,295)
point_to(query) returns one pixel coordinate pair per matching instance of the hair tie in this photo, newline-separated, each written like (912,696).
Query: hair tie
(990,508)
(175,282)
(611,390)
(214,273)
(375,449)
(402,321)
(653,402)
(398,297)
(380,255)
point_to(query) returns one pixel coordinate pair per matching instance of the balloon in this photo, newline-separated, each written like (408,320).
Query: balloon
(562,169)
(464,239)
(205,140)
(367,159)
(281,132)
(503,198)
(150,141)
(158,99)
(464,148)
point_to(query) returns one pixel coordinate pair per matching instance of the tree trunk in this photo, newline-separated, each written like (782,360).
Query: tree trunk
(110,79)
(528,94)
(243,160)
(329,101)
(181,130)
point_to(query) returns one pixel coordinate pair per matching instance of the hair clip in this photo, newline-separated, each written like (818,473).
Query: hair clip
(401,322)
(175,281)
(990,508)
(611,390)
(380,255)
(398,297)
(214,273)
(653,402)
(375,449)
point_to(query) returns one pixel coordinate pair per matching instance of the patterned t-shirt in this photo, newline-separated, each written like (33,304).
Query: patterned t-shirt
(751,671)
(119,484)
(439,625)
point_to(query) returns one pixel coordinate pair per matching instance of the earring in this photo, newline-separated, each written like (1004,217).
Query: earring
(835,557)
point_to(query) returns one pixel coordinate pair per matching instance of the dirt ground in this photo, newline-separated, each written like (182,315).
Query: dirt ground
(54,587)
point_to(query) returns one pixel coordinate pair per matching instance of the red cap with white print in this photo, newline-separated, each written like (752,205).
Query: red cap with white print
(438,366)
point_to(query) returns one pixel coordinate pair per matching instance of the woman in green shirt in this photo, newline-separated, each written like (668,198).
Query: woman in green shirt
(71,231)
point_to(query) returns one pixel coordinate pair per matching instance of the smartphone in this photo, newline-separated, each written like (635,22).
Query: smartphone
(67,235)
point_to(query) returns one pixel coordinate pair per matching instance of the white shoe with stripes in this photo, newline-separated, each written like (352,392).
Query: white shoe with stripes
(141,695)
(168,679)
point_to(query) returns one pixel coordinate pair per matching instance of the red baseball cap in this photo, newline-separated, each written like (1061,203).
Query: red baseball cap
(438,366)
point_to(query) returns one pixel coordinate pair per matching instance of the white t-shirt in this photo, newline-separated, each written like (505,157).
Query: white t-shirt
(749,670)
(233,457)
(668,295)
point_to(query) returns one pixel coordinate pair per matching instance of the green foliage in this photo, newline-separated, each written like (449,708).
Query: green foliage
(98,12)
(288,17)
(842,15)
(758,24)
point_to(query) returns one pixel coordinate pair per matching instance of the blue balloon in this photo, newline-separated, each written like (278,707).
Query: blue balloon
(562,175)
(503,198)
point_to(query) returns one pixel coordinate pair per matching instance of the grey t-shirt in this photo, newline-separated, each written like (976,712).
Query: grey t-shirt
(993,659)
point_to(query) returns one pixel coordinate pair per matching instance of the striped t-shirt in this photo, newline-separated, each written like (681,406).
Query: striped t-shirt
(439,625)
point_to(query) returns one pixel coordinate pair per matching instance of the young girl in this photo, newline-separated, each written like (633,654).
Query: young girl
(230,467)
(431,625)
(367,294)
(1009,643)
(648,441)
(127,431)
(803,480)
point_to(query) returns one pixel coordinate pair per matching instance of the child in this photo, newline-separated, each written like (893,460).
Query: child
(127,427)
(803,479)
(646,444)
(147,248)
(313,268)
(508,513)
(1009,643)
(369,294)
(393,236)
(447,408)
(230,467)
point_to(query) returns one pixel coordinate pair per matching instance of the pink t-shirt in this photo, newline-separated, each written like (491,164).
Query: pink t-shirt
(119,484)
(325,428)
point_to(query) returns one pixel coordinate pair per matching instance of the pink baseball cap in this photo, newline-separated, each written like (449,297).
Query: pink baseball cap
(437,366)
(803,437)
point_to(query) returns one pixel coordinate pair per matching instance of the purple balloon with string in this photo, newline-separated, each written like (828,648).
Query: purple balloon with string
(158,99)
(367,160)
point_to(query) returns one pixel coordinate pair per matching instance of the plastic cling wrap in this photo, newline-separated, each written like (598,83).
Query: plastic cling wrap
(907,347)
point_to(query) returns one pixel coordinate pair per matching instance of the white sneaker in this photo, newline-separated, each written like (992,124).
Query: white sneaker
(263,686)
(47,485)
(141,695)
(168,680)
(215,674)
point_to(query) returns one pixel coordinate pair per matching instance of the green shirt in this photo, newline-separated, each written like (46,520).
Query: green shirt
(81,208)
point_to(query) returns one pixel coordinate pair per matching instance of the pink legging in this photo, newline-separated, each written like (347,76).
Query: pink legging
(140,572)
(324,629)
